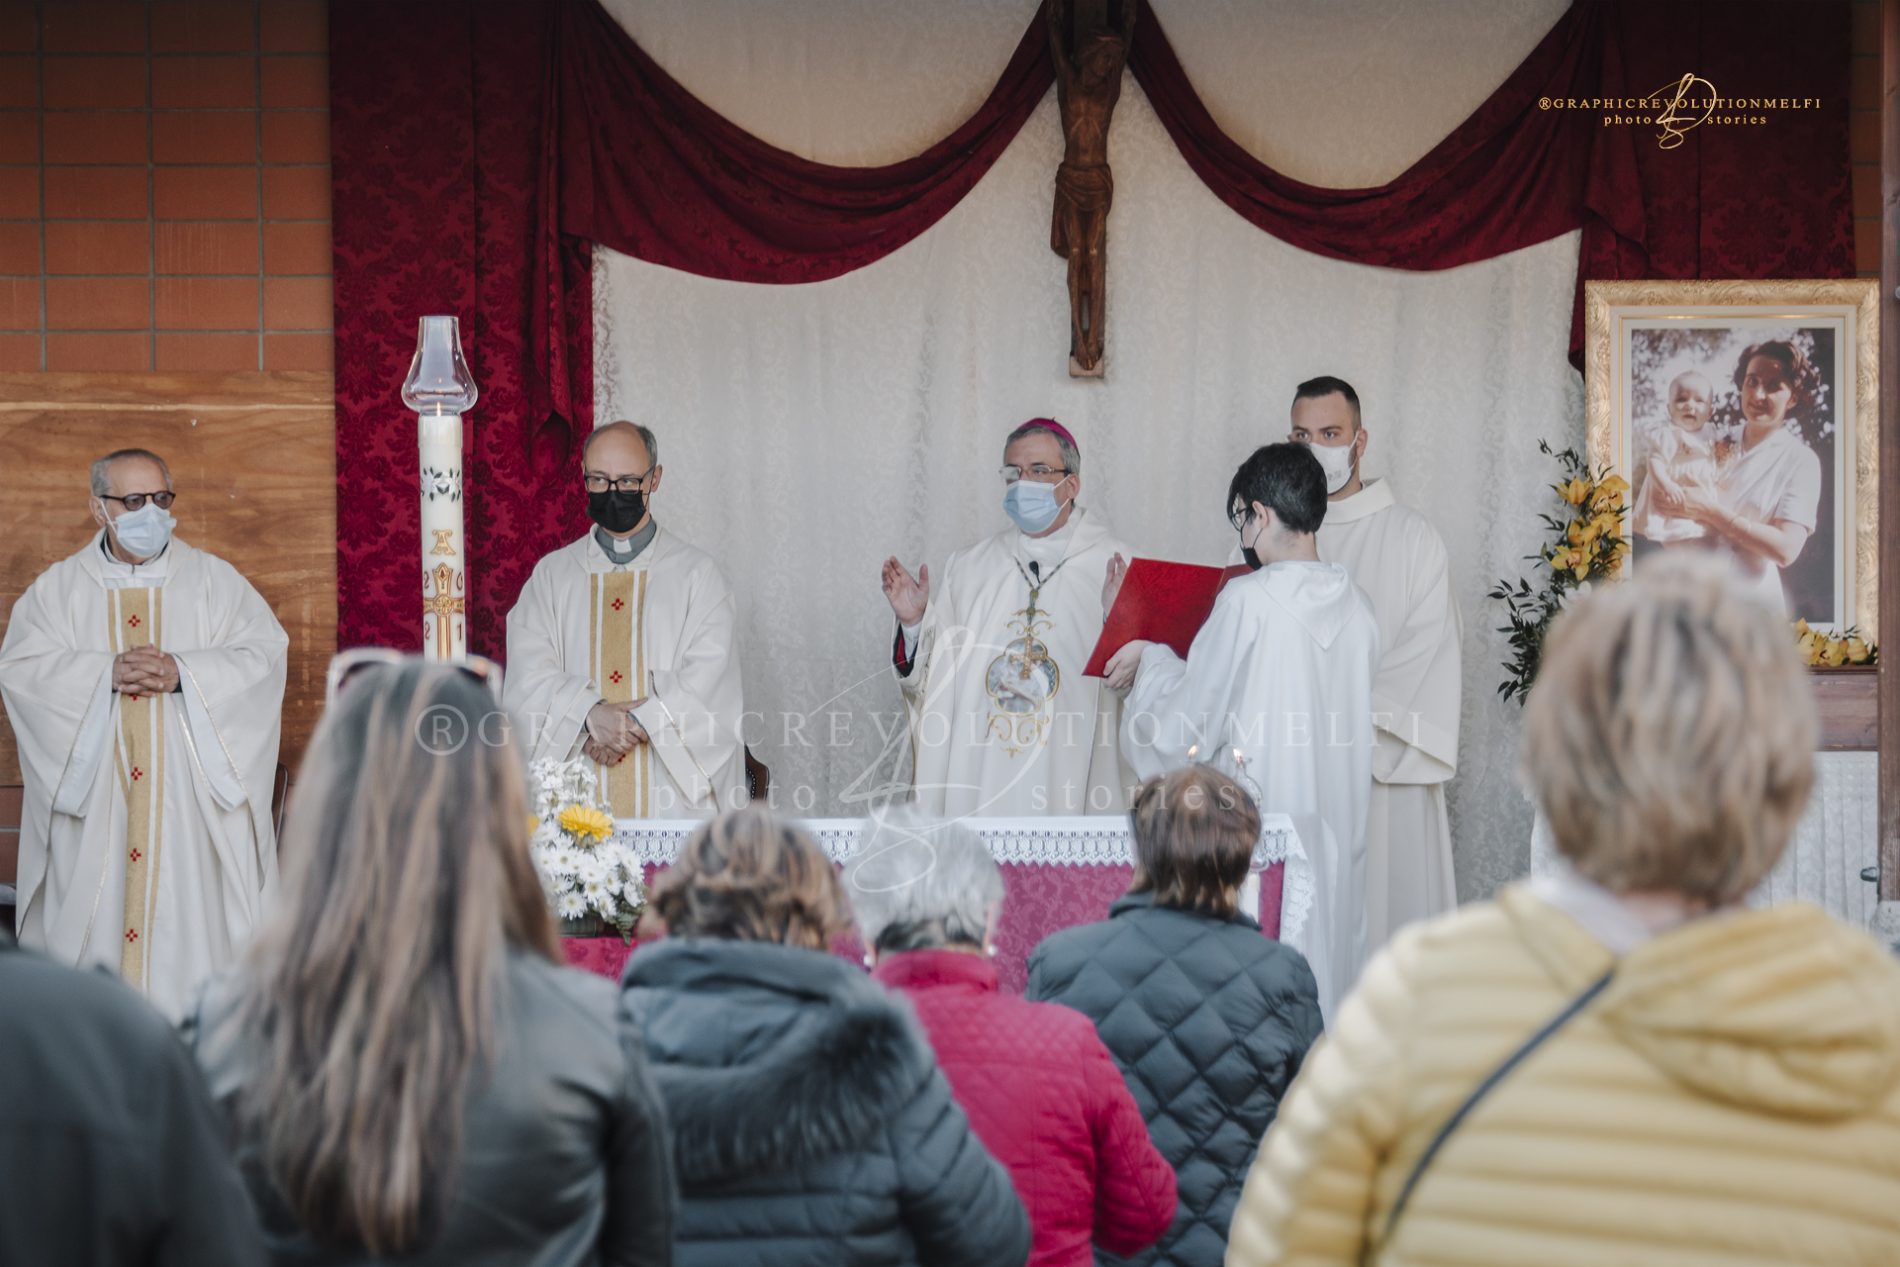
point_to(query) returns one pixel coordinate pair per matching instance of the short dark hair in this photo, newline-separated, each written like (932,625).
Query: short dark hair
(1326,385)
(1195,831)
(1285,478)
(1802,376)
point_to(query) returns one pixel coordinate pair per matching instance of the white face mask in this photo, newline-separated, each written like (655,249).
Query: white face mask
(1336,461)
(142,533)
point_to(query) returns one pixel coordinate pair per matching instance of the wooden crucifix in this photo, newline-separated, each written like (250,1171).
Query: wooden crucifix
(1089,63)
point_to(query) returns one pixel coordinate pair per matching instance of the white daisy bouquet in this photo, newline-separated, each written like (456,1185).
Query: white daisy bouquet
(590,880)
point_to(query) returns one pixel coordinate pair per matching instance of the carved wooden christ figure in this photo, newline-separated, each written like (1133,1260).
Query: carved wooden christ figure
(1088,83)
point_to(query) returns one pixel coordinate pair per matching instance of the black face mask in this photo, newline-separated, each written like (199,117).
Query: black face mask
(1253,560)
(617,509)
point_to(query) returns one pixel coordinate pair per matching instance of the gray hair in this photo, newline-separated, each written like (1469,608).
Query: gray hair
(646,438)
(918,883)
(101,486)
(1071,456)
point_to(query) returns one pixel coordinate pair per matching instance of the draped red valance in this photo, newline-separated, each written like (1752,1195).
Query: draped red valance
(543,129)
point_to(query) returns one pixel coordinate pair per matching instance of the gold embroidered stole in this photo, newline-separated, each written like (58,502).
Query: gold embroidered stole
(617,606)
(135,617)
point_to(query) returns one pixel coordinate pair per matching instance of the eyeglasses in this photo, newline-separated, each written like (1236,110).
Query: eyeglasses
(1239,516)
(347,666)
(624,484)
(132,501)
(1037,472)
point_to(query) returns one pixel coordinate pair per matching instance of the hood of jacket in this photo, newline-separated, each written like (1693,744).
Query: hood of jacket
(1319,596)
(1783,1011)
(767,1056)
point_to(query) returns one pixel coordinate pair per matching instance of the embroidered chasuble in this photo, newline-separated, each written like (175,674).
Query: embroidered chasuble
(146,841)
(1002,722)
(657,633)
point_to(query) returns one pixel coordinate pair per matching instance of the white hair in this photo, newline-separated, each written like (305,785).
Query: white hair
(101,484)
(917,882)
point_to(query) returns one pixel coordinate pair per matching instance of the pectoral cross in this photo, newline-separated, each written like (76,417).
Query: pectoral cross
(443,605)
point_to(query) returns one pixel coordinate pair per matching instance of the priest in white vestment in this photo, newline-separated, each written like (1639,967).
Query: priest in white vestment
(145,683)
(1282,671)
(989,658)
(622,649)
(1395,555)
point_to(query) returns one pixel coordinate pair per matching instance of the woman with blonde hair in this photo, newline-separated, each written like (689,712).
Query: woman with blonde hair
(409,1072)
(811,1125)
(1618,1062)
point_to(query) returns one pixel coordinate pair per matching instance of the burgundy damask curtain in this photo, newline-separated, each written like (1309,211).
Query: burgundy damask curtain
(480,147)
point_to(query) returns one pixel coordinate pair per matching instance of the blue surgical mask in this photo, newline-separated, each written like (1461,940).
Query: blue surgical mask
(1031,505)
(144,532)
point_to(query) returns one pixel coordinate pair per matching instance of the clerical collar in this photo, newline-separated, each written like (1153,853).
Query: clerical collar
(105,548)
(1373,496)
(619,552)
(1048,552)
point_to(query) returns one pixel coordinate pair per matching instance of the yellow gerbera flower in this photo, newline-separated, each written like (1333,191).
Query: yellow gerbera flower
(584,820)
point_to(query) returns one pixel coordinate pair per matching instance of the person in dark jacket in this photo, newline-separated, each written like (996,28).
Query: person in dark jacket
(409,1072)
(811,1125)
(1042,1092)
(1208,1019)
(111,1153)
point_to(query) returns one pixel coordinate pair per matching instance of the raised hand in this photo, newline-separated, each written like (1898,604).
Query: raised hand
(1112,584)
(908,594)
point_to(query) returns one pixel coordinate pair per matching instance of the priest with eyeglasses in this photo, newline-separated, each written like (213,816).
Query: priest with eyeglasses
(622,649)
(989,655)
(144,679)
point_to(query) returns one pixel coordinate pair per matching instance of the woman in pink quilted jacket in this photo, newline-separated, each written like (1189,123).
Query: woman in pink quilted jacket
(1040,1089)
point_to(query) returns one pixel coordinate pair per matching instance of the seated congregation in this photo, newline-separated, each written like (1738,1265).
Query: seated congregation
(400,1070)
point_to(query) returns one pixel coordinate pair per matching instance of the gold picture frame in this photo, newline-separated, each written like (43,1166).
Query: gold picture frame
(1647,340)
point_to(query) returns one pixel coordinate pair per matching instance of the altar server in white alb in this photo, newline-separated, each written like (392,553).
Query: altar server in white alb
(145,681)
(622,648)
(1395,555)
(989,657)
(1282,671)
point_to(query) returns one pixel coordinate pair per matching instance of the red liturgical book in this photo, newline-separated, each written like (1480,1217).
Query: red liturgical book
(1160,602)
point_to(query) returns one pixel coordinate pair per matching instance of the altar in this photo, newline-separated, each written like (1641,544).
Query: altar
(1059,872)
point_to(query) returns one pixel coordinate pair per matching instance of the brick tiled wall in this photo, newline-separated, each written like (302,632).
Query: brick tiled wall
(1864,135)
(164,185)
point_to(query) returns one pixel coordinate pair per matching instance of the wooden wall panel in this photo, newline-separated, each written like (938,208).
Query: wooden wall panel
(253,457)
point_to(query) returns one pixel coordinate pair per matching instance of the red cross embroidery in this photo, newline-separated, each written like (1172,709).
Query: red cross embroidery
(135,855)
(619,603)
(133,698)
(614,677)
(131,934)
(137,774)
(134,622)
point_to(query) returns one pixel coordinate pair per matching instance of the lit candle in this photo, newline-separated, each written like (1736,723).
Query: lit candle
(440,389)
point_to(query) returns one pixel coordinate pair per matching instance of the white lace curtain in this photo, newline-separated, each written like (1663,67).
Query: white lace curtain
(809,431)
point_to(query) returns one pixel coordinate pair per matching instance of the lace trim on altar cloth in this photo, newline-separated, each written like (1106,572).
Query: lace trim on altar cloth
(1047,842)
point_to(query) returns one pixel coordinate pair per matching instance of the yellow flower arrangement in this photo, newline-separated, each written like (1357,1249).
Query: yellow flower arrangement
(1823,650)
(1587,545)
(584,820)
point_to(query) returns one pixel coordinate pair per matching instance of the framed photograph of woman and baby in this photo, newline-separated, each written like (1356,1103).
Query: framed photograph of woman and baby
(1744,416)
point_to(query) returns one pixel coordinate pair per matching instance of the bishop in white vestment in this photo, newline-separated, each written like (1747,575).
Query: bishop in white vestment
(990,659)
(1283,671)
(1395,555)
(145,683)
(622,649)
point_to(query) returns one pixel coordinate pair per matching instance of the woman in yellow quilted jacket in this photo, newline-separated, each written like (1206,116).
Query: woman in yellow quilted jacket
(1618,1064)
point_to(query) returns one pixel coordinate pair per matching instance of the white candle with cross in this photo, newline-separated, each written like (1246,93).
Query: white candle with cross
(440,389)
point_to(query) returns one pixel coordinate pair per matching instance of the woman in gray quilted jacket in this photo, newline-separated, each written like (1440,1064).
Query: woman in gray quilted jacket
(1207,1018)
(811,1125)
